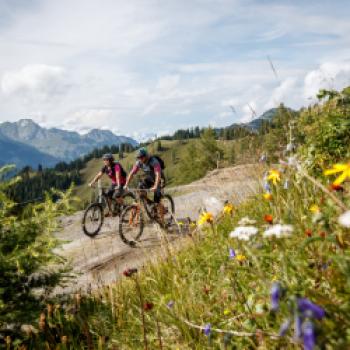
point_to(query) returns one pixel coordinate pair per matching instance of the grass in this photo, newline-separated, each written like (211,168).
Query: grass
(203,298)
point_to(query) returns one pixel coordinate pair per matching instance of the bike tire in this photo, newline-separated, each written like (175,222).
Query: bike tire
(131,224)
(95,212)
(156,218)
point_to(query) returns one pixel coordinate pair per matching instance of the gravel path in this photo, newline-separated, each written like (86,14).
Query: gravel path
(101,260)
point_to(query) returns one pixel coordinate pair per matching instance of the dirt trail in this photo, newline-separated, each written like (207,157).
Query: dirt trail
(101,260)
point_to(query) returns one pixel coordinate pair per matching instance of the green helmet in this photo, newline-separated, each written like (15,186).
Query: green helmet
(142,152)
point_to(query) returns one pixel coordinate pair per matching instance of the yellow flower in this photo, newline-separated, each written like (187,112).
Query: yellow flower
(193,225)
(227,312)
(274,176)
(267,196)
(315,209)
(180,223)
(344,169)
(206,217)
(228,208)
(241,258)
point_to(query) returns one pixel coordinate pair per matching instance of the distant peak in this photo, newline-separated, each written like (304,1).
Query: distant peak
(26,122)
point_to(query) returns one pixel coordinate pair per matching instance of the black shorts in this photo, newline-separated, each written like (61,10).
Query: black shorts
(113,192)
(148,183)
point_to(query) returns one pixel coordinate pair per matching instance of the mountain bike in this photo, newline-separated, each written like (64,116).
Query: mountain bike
(131,220)
(95,213)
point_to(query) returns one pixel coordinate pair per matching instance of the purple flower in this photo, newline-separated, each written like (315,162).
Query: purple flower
(275,294)
(309,337)
(232,253)
(170,304)
(309,309)
(267,187)
(284,328)
(297,326)
(207,329)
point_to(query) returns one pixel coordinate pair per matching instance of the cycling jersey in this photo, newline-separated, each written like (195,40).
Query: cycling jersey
(114,171)
(150,168)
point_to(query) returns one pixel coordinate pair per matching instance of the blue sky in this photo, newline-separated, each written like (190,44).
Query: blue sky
(151,66)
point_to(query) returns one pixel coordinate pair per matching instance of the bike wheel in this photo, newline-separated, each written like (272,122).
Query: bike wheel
(131,224)
(119,203)
(93,219)
(163,213)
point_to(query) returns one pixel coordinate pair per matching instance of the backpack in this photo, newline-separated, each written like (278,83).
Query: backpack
(161,162)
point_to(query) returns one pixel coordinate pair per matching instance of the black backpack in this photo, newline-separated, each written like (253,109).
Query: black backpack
(161,161)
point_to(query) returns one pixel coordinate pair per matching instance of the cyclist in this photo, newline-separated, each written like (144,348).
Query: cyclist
(152,168)
(116,173)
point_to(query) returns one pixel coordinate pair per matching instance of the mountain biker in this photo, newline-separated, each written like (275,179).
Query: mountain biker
(116,173)
(153,171)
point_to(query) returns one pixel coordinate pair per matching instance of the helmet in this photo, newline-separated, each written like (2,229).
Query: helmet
(108,156)
(142,152)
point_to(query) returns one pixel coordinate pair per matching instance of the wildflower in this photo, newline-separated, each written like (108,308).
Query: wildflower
(207,329)
(309,309)
(314,209)
(232,253)
(246,221)
(344,169)
(308,232)
(227,312)
(170,304)
(148,306)
(180,223)
(309,337)
(228,209)
(344,219)
(129,272)
(337,188)
(322,234)
(267,196)
(241,258)
(274,176)
(275,295)
(267,187)
(206,217)
(268,218)
(284,328)
(297,326)
(279,231)
(244,232)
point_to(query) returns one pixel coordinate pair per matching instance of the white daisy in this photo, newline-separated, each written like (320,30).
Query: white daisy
(344,219)
(279,231)
(244,232)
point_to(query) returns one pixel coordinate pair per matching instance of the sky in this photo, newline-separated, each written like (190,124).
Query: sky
(143,67)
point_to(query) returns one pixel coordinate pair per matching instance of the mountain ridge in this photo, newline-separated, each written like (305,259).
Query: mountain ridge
(61,145)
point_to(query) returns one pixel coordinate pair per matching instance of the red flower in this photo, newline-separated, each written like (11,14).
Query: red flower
(337,188)
(129,272)
(322,234)
(148,306)
(308,232)
(268,218)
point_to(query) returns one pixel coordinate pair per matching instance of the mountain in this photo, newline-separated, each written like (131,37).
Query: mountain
(60,144)
(268,115)
(14,152)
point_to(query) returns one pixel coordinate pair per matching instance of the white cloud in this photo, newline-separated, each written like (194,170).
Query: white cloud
(35,81)
(282,93)
(86,119)
(330,75)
